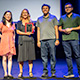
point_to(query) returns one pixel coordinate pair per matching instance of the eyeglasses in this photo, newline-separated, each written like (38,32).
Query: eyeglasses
(68,7)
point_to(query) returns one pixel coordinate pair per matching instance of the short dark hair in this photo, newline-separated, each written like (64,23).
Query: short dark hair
(46,5)
(68,4)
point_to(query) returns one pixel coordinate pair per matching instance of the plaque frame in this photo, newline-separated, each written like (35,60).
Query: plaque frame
(28,25)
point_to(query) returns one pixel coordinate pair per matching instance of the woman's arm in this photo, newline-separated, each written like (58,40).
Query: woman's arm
(23,33)
(38,37)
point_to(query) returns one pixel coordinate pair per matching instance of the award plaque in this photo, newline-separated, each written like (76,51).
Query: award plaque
(29,27)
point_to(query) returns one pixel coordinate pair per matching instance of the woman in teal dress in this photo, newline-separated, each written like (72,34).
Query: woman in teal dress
(26,49)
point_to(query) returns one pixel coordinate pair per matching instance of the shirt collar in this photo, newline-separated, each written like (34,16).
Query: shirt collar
(70,16)
(48,16)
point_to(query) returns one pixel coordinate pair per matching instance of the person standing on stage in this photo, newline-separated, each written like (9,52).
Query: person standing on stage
(47,38)
(7,44)
(26,48)
(69,24)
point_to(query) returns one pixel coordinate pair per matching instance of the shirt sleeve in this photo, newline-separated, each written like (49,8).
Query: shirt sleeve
(55,21)
(18,26)
(37,23)
(14,26)
(60,22)
(78,21)
(1,25)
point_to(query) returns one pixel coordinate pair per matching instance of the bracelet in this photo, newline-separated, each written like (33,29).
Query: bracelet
(57,39)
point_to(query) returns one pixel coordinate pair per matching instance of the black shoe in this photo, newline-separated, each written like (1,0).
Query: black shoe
(53,75)
(44,75)
(10,77)
(5,77)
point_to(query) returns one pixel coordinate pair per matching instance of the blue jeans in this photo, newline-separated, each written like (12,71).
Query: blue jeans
(67,49)
(48,46)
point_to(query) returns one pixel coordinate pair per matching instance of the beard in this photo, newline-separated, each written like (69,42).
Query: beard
(46,14)
(69,13)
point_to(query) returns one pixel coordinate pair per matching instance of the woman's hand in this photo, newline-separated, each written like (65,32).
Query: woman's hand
(28,33)
(57,42)
(39,44)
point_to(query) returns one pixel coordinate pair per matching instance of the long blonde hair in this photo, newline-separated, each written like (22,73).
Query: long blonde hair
(22,13)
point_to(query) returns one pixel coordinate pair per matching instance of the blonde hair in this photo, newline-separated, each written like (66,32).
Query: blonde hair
(22,13)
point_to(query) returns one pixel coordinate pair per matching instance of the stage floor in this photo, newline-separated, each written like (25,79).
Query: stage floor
(61,69)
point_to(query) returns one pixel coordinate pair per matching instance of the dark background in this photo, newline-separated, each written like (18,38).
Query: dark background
(75,3)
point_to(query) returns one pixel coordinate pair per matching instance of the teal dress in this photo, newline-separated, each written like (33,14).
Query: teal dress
(26,47)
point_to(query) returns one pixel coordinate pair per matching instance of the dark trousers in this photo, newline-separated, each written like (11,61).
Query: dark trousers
(48,46)
(68,52)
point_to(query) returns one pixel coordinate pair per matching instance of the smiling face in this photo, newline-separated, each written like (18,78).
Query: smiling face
(45,9)
(7,16)
(68,8)
(25,14)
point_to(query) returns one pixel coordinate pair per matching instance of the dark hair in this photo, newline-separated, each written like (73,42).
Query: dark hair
(68,4)
(4,20)
(46,5)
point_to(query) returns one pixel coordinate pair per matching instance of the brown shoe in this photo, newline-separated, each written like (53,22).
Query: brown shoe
(20,75)
(30,74)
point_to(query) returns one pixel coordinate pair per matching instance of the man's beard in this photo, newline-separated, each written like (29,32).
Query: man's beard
(45,14)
